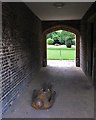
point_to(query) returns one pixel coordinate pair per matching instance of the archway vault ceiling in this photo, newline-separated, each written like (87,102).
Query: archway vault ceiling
(70,11)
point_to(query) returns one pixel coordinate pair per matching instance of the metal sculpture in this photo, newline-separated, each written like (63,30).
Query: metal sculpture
(43,98)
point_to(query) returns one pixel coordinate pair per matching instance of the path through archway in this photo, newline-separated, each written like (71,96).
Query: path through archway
(61,49)
(55,28)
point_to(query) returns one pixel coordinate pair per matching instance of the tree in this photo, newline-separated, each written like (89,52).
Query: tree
(49,35)
(61,35)
(68,41)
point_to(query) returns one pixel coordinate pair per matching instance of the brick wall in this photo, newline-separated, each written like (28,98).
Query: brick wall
(71,23)
(83,47)
(21,30)
(88,31)
(0,58)
(94,61)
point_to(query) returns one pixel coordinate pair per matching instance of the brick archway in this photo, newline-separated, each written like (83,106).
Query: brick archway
(55,28)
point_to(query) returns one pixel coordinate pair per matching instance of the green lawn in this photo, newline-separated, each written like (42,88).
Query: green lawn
(61,52)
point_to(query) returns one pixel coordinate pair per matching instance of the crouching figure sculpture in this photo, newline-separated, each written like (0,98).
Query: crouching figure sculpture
(43,98)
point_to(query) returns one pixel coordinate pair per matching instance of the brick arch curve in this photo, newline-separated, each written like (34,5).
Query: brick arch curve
(55,28)
(61,27)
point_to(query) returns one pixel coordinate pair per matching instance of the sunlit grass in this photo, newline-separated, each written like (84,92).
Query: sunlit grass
(61,53)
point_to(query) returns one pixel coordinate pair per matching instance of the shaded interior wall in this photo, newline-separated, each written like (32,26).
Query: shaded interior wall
(21,31)
(83,47)
(69,25)
(0,58)
(88,42)
(94,54)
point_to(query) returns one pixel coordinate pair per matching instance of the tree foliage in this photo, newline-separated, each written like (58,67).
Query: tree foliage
(61,36)
(50,41)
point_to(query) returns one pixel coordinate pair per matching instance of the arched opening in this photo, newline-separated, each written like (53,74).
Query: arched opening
(61,48)
(59,27)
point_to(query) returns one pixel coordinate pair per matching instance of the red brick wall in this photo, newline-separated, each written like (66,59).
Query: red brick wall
(88,38)
(20,55)
(94,54)
(71,23)
(0,57)
(83,47)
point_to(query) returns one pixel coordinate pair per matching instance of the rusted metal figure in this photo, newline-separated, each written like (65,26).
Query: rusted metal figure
(43,98)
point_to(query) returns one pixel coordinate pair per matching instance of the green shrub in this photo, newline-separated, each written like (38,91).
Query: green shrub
(68,41)
(73,42)
(50,41)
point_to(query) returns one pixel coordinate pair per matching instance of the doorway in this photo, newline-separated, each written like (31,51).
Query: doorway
(56,28)
(61,48)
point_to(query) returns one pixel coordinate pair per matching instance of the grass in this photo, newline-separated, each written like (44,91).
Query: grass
(61,52)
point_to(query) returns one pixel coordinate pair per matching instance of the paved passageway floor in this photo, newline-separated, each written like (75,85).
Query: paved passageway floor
(74,98)
(61,63)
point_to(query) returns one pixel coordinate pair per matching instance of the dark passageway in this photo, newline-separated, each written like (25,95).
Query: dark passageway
(23,59)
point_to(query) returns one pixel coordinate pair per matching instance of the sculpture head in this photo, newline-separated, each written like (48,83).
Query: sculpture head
(46,87)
